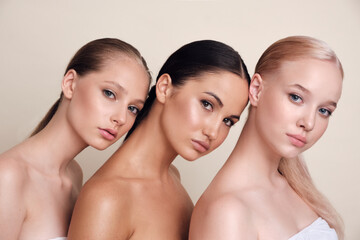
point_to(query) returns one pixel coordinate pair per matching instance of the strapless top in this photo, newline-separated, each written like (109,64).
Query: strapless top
(58,238)
(318,230)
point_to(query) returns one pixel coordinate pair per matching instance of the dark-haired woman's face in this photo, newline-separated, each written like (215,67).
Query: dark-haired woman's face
(198,115)
(105,103)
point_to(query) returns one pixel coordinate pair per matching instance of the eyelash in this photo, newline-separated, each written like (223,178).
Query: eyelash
(206,104)
(132,108)
(295,97)
(228,122)
(109,94)
(323,111)
(326,113)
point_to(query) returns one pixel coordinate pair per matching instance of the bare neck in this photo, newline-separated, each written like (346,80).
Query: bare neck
(52,149)
(254,155)
(147,152)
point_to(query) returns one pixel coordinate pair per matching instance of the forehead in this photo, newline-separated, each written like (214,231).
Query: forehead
(317,76)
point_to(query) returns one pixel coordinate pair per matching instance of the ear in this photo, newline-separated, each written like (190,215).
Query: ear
(163,87)
(68,83)
(255,90)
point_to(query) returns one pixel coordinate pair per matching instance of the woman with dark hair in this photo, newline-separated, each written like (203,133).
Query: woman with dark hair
(200,93)
(103,89)
(264,190)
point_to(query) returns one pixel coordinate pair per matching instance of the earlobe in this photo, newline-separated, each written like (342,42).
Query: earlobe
(68,83)
(256,86)
(163,88)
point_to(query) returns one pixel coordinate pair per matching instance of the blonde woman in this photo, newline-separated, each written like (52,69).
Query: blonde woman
(264,190)
(103,89)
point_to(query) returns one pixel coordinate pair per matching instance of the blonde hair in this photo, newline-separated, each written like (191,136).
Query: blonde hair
(295,170)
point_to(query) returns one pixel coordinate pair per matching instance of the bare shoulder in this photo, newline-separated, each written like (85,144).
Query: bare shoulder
(224,216)
(76,174)
(12,170)
(13,183)
(102,207)
(173,170)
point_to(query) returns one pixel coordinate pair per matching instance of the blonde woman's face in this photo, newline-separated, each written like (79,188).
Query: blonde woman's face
(295,105)
(105,103)
(197,117)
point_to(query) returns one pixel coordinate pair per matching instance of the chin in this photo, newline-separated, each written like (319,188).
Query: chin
(190,156)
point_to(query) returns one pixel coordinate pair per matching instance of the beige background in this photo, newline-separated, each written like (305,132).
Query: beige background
(38,38)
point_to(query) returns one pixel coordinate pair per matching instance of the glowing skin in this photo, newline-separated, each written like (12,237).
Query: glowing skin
(198,115)
(294,109)
(104,104)
(249,198)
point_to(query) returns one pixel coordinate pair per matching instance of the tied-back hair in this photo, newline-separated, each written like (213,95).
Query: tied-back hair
(295,170)
(192,60)
(91,58)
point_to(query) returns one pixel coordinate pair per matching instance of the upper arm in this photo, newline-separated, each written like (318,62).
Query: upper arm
(100,213)
(12,204)
(223,218)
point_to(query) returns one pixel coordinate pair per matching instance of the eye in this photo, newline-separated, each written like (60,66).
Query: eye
(207,105)
(295,98)
(134,110)
(109,94)
(228,122)
(325,112)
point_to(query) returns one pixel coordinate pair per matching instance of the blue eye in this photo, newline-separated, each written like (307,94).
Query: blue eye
(134,110)
(295,98)
(325,112)
(207,105)
(109,94)
(228,122)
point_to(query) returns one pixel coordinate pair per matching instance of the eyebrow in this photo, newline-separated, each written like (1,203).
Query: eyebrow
(220,103)
(216,98)
(122,89)
(300,87)
(117,85)
(307,91)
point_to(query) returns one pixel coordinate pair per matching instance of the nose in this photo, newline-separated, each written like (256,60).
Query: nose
(211,130)
(119,117)
(307,121)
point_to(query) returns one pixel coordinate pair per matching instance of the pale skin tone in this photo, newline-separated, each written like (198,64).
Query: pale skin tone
(249,198)
(39,178)
(137,193)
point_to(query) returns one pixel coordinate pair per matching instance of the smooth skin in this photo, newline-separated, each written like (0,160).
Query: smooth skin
(249,198)
(39,178)
(137,193)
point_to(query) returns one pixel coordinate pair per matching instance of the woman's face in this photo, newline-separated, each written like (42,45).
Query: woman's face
(295,105)
(197,116)
(104,104)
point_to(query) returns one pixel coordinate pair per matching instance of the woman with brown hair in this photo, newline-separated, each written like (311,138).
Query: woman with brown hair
(103,89)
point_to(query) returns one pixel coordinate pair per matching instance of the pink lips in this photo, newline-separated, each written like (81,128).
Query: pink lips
(297,140)
(200,146)
(108,134)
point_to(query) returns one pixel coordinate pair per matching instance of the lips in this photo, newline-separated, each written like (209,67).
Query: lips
(200,146)
(108,134)
(297,140)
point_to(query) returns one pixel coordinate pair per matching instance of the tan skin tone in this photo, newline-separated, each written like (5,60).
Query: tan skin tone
(248,198)
(39,180)
(137,193)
